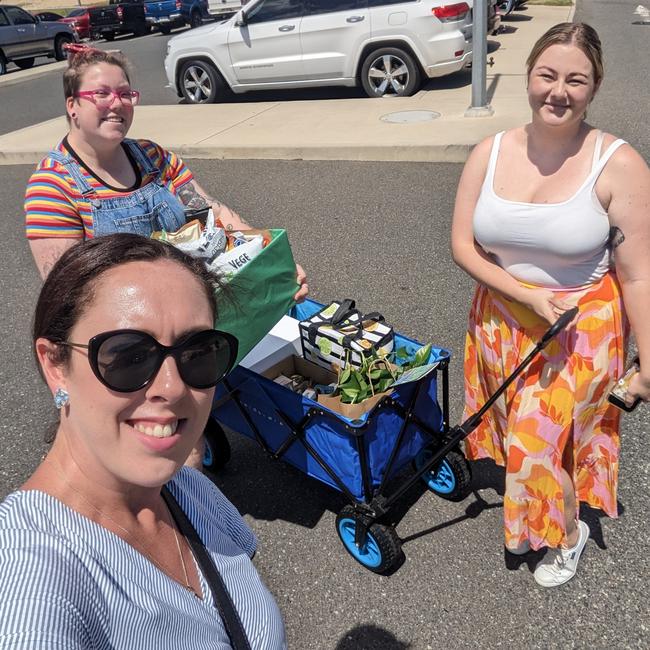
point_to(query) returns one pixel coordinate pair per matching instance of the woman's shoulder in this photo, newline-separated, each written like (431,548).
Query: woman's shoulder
(624,160)
(209,509)
(51,162)
(42,578)
(33,546)
(151,149)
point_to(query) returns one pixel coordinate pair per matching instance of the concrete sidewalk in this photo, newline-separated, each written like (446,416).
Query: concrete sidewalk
(336,129)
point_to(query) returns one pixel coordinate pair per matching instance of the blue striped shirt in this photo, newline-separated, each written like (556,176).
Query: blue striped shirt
(67,582)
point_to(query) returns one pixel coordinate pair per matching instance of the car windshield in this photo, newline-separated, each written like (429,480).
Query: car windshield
(76,12)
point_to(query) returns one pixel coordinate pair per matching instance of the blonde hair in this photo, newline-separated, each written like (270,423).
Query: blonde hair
(581,35)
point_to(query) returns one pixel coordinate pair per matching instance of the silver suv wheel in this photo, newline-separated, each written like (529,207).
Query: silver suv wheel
(200,82)
(389,72)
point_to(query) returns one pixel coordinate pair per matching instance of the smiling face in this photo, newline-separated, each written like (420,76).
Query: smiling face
(561,85)
(96,124)
(137,439)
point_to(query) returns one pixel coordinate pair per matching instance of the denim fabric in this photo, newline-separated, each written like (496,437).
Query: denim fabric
(148,208)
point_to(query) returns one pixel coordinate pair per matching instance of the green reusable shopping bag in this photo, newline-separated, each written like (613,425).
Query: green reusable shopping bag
(259,294)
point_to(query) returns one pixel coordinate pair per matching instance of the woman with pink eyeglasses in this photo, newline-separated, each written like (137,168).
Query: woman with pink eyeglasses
(97,181)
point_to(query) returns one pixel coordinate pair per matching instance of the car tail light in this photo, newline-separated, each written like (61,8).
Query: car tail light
(449,13)
(120,12)
(179,5)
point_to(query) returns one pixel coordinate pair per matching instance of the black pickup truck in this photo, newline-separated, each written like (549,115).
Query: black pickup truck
(118,17)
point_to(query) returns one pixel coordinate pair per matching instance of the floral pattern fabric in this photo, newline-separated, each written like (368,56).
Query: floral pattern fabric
(555,414)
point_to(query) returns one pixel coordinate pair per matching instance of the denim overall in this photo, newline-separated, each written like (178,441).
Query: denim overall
(148,208)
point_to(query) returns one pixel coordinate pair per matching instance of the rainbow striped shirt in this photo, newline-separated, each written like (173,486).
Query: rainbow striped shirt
(54,206)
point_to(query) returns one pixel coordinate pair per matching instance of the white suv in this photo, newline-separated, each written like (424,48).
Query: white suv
(386,46)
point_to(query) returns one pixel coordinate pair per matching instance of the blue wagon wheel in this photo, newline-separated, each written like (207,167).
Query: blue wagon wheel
(382,550)
(452,478)
(217,448)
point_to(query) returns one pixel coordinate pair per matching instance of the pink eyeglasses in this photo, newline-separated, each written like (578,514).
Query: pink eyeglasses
(103,97)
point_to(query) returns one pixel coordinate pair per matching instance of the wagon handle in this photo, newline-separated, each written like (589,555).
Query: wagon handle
(474,420)
(559,324)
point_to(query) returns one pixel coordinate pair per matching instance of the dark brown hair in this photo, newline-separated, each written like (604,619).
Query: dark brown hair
(79,60)
(70,287)
(581,35)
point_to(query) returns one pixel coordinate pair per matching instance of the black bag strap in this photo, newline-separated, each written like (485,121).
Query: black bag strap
(345,309)
(343,312)
(222,600)
(374,315)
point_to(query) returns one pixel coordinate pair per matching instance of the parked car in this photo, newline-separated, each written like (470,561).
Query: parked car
(48,16)
(118,17)
(79,20)
(24,37)
(224,8)
(386,46)
(167,14)
(508,6)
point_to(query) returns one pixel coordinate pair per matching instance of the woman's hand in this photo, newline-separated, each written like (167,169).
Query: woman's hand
(545,304)
(301,279)
(639,387)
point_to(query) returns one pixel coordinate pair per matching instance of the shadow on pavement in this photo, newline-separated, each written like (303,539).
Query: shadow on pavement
(370,637)
(269,489)
(473,510)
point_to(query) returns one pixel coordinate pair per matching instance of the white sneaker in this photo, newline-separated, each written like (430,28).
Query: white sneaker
(559,564)
(521,549)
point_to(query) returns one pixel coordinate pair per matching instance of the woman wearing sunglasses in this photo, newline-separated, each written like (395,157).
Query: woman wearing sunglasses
(96,181)
(112,542)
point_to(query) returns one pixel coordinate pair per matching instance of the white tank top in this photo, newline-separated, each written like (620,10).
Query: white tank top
(553,245)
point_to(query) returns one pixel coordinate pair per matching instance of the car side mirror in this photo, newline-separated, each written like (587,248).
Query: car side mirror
(242,19)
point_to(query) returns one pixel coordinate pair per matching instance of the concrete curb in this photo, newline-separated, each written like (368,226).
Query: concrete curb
(25,75)
(451,153)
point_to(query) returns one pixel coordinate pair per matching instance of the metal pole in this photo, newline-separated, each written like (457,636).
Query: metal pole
(480,106)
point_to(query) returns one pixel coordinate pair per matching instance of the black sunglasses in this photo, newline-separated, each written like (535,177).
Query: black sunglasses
(127,360)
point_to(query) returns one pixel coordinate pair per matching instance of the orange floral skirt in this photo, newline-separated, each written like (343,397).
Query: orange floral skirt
(556,414)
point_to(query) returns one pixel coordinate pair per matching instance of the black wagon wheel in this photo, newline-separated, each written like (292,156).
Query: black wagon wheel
(200,82)
(382,550)
(108,36)
(25,64)
(59,53)
(165,29)
(217,448)
(3,64)
(451,480)
(388,72)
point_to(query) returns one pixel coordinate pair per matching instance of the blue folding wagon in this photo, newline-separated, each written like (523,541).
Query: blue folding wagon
(373,460)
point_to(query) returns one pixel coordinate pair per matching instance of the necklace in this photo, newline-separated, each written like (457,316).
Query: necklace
(139,544)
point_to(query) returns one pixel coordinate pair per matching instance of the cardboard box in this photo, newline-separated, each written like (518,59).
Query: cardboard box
(294,365)
(351,411)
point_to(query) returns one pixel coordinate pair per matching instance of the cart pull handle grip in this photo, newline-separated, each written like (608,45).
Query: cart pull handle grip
(559,325)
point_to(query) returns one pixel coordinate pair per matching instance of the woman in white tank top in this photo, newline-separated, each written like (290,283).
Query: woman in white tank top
(548,216)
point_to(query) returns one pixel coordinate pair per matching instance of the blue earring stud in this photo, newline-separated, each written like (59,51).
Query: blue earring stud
(61,398)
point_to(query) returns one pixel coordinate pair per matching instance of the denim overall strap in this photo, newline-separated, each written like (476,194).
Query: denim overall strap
(152,206)
(74,169)
(141,157)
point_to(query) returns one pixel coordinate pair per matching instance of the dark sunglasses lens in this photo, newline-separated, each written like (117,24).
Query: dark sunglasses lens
(128,360)
(204,359)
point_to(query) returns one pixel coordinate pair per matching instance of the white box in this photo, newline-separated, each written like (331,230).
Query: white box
(281,342)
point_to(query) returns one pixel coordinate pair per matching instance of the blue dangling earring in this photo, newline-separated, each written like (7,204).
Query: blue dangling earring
(61,398)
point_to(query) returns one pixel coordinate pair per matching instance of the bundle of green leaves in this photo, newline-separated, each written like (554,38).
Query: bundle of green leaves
(377,373)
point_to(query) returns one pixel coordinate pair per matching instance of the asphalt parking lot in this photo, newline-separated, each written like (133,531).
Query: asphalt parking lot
(379,233)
